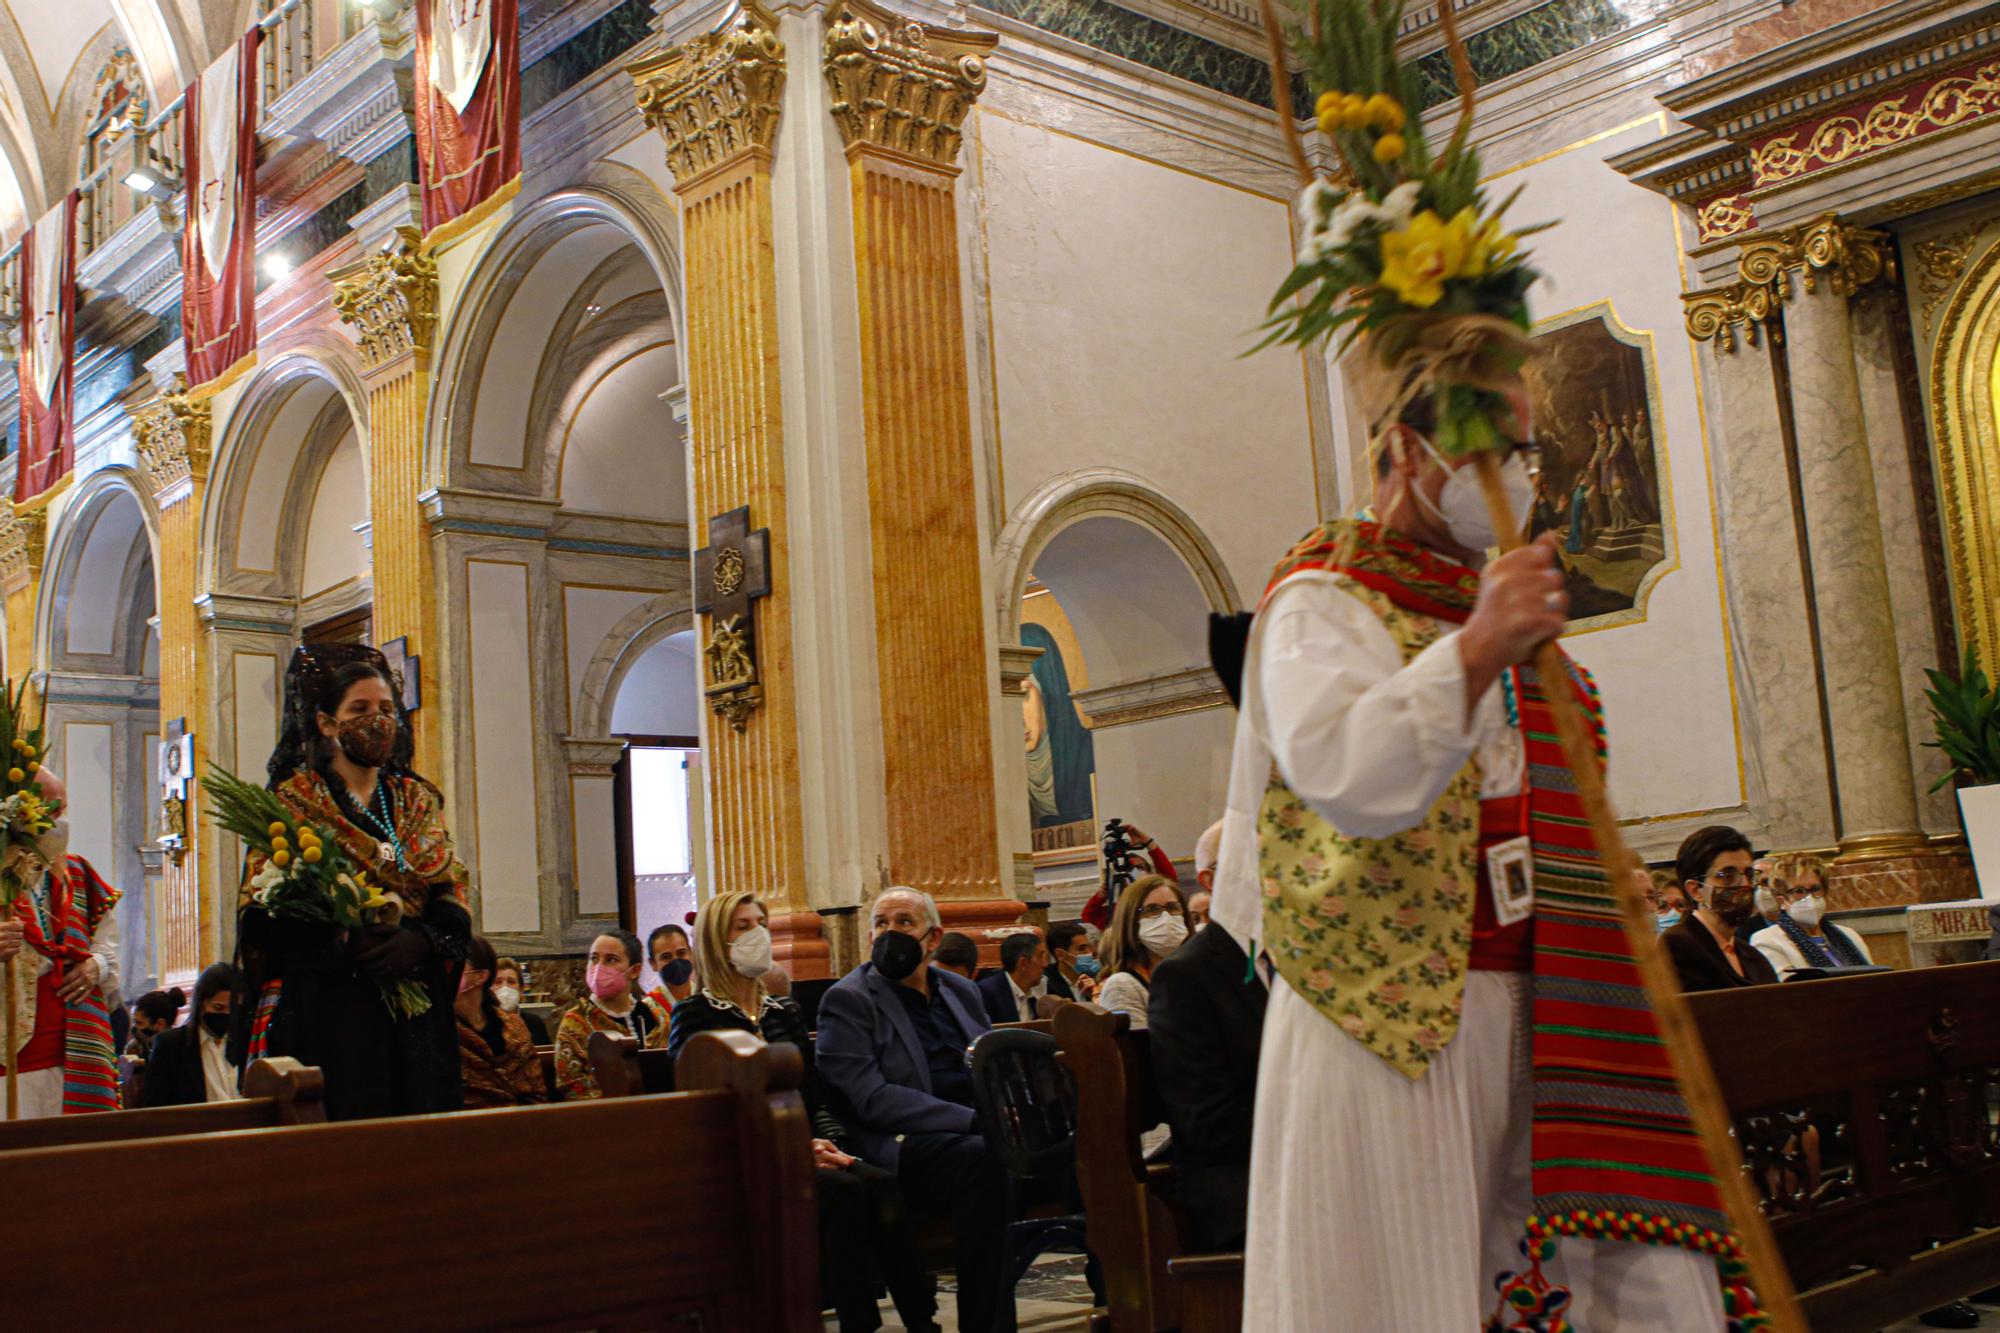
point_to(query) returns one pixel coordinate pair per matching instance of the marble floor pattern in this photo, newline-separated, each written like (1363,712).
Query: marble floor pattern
(1053,1296)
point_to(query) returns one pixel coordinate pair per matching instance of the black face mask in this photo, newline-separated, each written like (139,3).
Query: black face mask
(896,955)
(677,972)
(217,1024)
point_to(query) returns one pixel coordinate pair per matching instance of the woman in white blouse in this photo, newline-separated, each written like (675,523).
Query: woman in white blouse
(1149,923)
(1800,938)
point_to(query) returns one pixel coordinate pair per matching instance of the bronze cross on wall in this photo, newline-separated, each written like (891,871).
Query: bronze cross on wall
(730,573)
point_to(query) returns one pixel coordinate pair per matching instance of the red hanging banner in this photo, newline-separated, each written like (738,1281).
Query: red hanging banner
(468,62)
(219,239)
(47,366)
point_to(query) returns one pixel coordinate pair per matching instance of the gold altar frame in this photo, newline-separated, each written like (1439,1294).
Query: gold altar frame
(1965,426)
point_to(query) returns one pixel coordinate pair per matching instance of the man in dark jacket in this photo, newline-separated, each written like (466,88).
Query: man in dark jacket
(1206,1020)
(893,1038)
(1010,993)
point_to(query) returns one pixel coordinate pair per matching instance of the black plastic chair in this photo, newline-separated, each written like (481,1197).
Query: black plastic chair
(1027,1112)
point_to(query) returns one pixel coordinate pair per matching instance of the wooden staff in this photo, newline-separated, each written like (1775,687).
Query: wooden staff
(1768,1276)
(13,1053)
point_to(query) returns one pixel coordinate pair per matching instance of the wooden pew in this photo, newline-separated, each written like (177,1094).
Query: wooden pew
(275,1092)
(625,1069)
(375,1223)
(545,1056)
(1863,1106)
(1135,1227)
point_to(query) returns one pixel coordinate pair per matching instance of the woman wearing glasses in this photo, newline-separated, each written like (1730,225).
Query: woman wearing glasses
(1149,923)
(1799,938)
(1714,868)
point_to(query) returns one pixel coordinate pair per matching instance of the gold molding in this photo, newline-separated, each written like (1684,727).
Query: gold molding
(1951,101)
(899,84)
(1965,411)
(174,436)
(1941,262)
(717,97)
(1724,216)
(1848,258)
(391,299)
(1159,708)
(14,565)
(1885,847)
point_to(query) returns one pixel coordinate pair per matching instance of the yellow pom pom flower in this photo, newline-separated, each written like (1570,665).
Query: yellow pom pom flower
(1389,148)
(311,855)
(278,844)
(32,767)
(15,775)
(1417,260)
(1354,112)
(1329,121)
(277,828)
(1328,100)
(281,858)
(20,746)
(1386,113)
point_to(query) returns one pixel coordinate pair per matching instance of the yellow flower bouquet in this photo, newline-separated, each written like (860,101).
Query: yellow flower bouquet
(27,814)
(1402,248)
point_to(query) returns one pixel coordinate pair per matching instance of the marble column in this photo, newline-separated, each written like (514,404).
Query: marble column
(1871,742)
(901,92)
(716,102)
(390,299)
(173,436)
(1770,623)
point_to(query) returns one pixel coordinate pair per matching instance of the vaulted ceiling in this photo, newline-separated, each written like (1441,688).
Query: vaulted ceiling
(51,53)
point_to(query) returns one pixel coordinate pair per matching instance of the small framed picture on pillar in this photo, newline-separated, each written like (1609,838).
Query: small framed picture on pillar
(408,671)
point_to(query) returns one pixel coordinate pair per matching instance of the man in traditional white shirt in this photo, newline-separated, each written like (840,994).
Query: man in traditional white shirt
(1390,1176)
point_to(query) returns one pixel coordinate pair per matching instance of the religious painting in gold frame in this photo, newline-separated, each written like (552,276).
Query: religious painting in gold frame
(1061,753)
(1604,484)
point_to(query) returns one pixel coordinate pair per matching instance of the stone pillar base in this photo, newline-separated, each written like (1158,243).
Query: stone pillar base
(1942,875)
(976,916)
(799,948)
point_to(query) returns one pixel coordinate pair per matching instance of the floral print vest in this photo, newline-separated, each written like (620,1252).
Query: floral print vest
(1375,933)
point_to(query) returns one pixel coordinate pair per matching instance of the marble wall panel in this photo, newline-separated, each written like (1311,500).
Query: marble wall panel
(503,738)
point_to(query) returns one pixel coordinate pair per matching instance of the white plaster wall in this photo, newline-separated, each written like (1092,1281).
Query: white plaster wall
(660,695)
(622,452)
(87,768)
(335,552)
(591,798)
(1667,690)
(1124,294)
(270,476)
(93,616)
(503,732)
(256,706)
(588,615)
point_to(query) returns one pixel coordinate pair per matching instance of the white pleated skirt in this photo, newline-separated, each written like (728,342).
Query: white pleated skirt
(1381,1204)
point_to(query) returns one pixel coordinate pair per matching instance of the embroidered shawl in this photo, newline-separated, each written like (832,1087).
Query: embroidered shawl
(419,815)
(60,929)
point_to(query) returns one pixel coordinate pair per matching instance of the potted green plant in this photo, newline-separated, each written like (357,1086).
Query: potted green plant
(1966,712)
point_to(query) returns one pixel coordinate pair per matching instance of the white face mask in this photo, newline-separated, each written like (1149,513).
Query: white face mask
(750,952)
(1461,505)
(509,997)
(1766,902)
(1807,910)
(1163,934)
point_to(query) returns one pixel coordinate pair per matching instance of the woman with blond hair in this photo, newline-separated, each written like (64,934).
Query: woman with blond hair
(862,1222)
(1801,938)
(1149,923)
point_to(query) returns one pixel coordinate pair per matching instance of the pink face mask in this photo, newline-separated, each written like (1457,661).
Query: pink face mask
(606,983)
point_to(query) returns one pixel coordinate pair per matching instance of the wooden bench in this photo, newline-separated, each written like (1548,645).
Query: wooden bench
(545,1056)
(1135,1227)
(1864,1106)
(275,1092)
(374,1223)
(623,1068)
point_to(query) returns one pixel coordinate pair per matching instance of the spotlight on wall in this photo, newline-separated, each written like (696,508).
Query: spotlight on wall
(277,266)
(149,180)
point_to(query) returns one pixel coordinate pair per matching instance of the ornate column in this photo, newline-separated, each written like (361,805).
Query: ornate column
(715,101)
(391,300)
(23,535)
(901,92)
(174,438)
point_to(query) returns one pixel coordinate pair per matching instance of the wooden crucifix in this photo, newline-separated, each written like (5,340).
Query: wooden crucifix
(730,574)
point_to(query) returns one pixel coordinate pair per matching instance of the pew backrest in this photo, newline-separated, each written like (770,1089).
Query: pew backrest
(1864,1108)
(363,1224)
(275,1092)
(625,1069)
(1132,1227)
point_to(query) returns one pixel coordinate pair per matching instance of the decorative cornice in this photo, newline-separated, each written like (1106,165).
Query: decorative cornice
(899,84)
(174,435)
(1849,258)
(717,97)
(391,300)
(1724,216)
(1017,662)
(1886,123)
(1167,695)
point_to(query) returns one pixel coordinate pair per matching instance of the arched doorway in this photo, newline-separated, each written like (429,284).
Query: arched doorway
(100,634)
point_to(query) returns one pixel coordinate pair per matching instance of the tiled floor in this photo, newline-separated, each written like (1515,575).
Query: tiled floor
(1053,1296)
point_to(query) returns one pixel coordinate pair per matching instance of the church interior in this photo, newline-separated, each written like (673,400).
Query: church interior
(806,451)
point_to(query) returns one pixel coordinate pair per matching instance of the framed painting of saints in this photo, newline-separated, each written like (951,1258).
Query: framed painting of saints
(1603,481)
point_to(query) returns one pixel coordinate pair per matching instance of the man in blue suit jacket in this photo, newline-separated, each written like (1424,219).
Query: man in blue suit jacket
(1023,965)
(893,1037)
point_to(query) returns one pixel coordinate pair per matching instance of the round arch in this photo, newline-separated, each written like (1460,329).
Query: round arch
(323,367)
(622,646)
(1064,501)
(609,195)
(1965,369)
(70,540)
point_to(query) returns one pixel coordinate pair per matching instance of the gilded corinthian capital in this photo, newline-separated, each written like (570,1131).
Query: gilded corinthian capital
(391,299)
(899,84)
(717,96)
(1716,313)
(1849,257)
(174,435)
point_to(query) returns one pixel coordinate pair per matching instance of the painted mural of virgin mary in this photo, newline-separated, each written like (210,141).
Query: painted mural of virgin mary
(1061,760)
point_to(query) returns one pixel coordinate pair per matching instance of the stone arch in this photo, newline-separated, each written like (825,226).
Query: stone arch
(623,645)
(316,381)
(70,540)
(1069,499)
